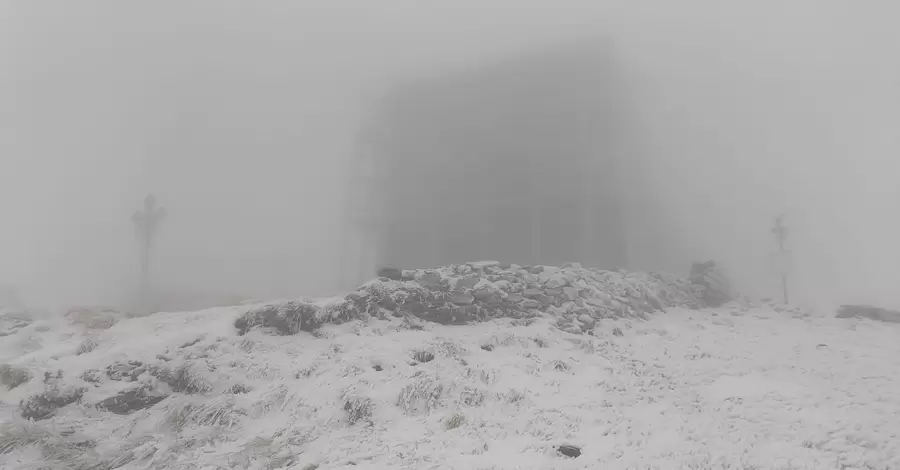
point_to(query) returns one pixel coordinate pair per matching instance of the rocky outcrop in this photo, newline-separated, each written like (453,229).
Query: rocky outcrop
(390,272)
(867,311)
(578,298)
(716,290)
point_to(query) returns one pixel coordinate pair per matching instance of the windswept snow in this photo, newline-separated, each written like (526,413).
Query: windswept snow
(729,388)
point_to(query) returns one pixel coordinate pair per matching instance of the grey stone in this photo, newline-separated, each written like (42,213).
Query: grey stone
(870,312)
(430,279)
(415,307)
(575,330)
(534,269)
(130,401)
(533,292)
(467,282)
(390,272)
(461,298)
(483,264)
(556,281)
(513,297)
(488,296)
(569,451)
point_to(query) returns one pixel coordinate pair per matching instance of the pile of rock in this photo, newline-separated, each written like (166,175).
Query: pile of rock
(460,294)
(716,288)
(870,312)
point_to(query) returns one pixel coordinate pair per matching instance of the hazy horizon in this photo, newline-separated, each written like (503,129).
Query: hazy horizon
(242,120)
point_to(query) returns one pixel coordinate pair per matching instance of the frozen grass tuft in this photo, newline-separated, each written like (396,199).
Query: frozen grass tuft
(276,399)
(423,356)
(342,310)
(91,376)
(190,411)
(247,345)
(57,446)
(471,396)
(181,379)
(513,396)
(288,318)
(422,396)
(44,405)
(540,341)
(560,366)
(86,346)
(585,345)
(306,372)
(488,377)
(358,408)
(448,348)
(507,339)
(454,421)
(267,452)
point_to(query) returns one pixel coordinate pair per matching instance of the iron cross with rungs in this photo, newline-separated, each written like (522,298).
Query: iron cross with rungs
(146,222)
(781,233)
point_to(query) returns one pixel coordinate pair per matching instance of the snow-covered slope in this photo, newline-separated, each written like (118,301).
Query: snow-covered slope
(735,387)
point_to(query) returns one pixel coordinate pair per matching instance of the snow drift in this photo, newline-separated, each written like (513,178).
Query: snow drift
(545,368)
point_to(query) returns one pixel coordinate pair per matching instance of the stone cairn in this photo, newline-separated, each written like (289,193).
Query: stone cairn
(575,297)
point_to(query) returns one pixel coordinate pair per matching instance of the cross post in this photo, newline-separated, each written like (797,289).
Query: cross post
(146,222)
(781,232)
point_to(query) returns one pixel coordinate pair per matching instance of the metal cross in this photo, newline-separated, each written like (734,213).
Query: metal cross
(146,222)
(781,232)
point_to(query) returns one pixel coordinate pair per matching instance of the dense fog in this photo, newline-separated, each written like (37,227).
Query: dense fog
(242,119)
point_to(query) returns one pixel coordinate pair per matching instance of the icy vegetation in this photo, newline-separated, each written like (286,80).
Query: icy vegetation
(478,366)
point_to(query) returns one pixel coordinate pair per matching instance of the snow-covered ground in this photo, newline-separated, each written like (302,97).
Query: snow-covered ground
(730,388)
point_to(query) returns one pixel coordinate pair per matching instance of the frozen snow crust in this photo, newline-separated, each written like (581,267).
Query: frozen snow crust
(478,366)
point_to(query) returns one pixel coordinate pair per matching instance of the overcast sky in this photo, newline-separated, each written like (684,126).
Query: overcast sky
(241,116)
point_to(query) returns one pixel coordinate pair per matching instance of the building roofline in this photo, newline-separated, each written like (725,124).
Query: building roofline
(571,52)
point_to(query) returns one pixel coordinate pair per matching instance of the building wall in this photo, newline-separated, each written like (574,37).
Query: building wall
(518,162)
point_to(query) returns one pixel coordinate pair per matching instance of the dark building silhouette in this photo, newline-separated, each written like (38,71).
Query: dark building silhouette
(522,161)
